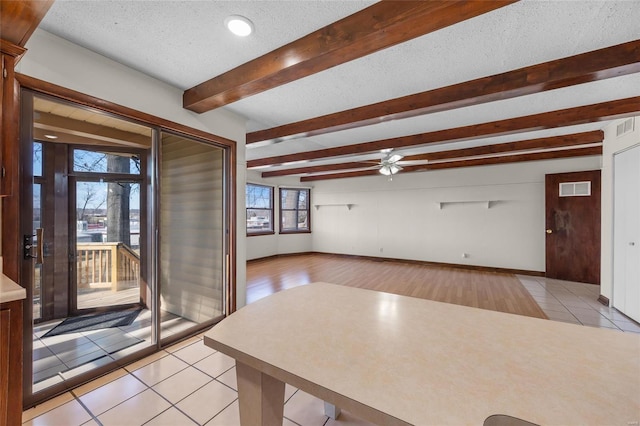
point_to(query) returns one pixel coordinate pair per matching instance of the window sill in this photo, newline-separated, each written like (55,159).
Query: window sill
(257,234)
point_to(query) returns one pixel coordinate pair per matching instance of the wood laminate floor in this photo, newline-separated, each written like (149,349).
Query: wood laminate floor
(486,290)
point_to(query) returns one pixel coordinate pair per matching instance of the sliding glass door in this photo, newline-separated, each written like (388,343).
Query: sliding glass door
(127,240)
(192,233)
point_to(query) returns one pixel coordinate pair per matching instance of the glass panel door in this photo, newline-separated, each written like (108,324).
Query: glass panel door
(86,261)
(107,243)
(192,233)
(116,236)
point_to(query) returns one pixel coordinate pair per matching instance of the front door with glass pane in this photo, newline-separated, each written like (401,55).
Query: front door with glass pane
(107,216)
(92,238)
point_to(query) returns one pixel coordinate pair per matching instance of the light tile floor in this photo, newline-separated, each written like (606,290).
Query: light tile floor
(576,303)
(191,384)
(56,358)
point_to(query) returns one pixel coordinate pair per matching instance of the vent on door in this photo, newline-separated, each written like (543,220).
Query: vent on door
(575,189)
(625,127)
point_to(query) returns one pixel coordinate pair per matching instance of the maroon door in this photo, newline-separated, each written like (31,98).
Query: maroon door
(573,226)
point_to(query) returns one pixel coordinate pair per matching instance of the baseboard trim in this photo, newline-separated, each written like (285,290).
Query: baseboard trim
(276,256)
(414,262)
(604,300)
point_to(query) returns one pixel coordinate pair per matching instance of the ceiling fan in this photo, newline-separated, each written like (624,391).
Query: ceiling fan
(389,164)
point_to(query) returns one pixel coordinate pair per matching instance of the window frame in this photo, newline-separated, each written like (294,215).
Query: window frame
(281,210)
(272,229)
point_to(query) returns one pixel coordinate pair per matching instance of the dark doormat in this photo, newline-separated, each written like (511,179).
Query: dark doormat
(94,322)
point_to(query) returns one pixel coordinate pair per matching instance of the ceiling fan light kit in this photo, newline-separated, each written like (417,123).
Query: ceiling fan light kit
(390,169)
(388,166)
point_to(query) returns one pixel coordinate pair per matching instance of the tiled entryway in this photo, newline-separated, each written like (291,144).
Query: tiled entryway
(191,384)
(60,357)
(575,303)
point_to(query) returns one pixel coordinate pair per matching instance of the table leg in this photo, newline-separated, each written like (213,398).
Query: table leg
(261,397)
(331,410)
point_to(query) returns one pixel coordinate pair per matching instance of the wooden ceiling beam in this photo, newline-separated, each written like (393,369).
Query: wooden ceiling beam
(318,169)
(600,64)
(573,139)
(377,27)
(19,19)
(516,158)
(610,110)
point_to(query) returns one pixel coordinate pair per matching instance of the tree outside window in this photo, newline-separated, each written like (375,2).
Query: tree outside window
(259,202)
(107,209)
(295,214)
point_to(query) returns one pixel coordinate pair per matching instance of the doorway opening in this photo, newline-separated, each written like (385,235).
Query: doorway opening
(100,192)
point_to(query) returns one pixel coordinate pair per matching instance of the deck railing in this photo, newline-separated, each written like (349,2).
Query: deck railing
(110,265)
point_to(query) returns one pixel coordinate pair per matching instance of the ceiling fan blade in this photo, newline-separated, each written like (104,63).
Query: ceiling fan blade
(413,162)
(394,158)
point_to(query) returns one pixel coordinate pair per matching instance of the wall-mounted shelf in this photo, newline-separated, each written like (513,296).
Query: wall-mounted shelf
(486,203)
(348,206)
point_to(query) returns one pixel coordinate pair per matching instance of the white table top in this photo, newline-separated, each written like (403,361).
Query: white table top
(9,289)
(425,362)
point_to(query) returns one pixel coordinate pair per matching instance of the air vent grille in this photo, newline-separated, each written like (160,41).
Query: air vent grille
(625,127)
(575,189)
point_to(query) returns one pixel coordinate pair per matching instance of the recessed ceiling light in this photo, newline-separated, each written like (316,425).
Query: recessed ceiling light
(239,25)
(51,136)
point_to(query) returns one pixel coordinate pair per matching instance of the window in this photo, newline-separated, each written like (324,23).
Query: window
(294,210)
(259,209)
(97,161)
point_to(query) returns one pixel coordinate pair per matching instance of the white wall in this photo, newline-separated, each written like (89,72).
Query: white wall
(259,246)
(58,61)
(612,145)
(401,218)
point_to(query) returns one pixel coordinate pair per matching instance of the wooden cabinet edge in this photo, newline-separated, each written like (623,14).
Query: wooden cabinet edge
(11,400)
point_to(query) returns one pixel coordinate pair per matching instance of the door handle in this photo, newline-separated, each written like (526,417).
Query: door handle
(549,231)
(40,246)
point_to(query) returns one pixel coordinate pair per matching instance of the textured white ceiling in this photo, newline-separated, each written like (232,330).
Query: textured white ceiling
(522,34)
(184,43)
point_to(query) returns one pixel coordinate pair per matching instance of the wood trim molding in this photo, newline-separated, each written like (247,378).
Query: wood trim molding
(516,158)
(573,139)
(107,106)
(592,66)
(604,300)
(20,18)
(11,49)
(610,110)
(374,28)
(410,261)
